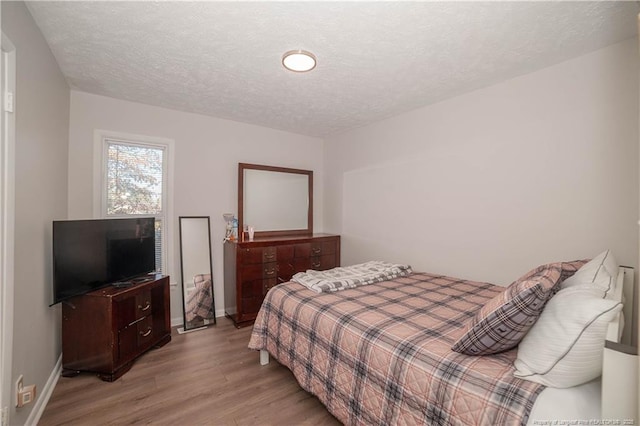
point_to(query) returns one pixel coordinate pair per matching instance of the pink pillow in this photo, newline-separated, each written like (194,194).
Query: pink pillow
(504,320)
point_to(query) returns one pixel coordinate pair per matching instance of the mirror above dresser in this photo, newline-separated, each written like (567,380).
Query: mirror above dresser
(274,200)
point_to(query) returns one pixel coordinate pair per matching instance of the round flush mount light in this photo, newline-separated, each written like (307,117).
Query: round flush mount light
(299,61)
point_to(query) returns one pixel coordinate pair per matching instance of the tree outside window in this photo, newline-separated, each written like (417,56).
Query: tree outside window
(135,184)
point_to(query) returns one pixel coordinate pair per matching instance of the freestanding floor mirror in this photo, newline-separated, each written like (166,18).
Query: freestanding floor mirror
(197,272)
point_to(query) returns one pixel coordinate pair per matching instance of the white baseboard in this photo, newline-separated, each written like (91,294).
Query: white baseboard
(176,322)
(45,394)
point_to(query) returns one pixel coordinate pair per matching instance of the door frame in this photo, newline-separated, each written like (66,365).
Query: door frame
(7,216)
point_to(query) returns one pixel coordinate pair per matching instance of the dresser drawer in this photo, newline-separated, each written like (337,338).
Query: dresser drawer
(258,271)
(269,254)
(135,337)
(248,256)
(145,331)
(285,253)
(270,270)
(321,263)
(257,288)
(286,271)
(131,309)
(269,284)
(253,288)
(250,305)
(143,304)
(301,264)
(302,250)
(320,248)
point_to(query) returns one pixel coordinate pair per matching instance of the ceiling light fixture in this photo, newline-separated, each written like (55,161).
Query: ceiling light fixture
(299,60)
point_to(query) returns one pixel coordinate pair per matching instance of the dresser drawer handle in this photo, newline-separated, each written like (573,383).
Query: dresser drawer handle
(316,250)
(146,308)
(316,265)
(269,271)
(148,332)
(269,256)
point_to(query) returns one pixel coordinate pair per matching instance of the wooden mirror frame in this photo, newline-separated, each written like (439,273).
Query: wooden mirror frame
(270,233)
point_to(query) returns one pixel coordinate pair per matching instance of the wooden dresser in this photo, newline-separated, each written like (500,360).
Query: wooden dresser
(106,330)
(251,268)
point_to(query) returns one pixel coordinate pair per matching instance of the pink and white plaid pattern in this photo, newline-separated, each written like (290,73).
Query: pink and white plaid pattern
(381,354)
(503,321)
(200,301)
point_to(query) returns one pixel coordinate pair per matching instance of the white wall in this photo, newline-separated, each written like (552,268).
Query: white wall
(42,125)
(490,184)
(207,153)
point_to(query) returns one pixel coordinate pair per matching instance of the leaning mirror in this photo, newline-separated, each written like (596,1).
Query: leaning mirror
(196,268)
(275,200)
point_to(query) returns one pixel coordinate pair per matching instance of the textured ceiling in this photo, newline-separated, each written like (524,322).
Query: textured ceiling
(375,59)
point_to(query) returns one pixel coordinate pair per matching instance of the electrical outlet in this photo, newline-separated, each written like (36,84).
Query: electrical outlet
(24,394)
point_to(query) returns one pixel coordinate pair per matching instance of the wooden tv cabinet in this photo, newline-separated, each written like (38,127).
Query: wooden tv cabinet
(106,330)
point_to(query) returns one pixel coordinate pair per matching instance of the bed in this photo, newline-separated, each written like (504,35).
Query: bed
(381,354)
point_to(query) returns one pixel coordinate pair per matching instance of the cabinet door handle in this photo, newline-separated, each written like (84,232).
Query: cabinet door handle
(147,333)
(147,306)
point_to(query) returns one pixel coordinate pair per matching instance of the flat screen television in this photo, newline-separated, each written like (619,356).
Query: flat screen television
(91,254)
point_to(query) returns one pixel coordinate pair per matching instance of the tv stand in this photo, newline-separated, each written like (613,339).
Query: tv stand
(106,330)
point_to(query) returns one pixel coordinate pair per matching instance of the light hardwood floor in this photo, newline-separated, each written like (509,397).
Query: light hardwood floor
(206,377)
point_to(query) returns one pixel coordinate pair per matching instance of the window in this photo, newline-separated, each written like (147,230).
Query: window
(135,183)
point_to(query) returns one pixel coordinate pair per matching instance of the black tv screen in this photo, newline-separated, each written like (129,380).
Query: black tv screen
(90,254)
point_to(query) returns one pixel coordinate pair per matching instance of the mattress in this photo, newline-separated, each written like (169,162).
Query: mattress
(381,354)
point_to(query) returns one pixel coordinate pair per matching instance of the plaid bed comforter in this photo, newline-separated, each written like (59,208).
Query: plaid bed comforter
(381,354)
(200,300)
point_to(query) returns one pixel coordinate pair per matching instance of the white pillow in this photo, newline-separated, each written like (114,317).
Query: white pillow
(601,271)
(564,347)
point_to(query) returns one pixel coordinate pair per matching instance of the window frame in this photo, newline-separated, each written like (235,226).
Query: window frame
(102,139)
